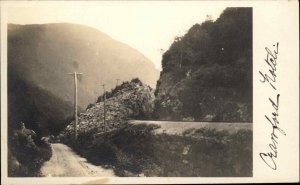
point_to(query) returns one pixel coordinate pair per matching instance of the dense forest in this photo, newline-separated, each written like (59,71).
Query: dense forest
(207,73)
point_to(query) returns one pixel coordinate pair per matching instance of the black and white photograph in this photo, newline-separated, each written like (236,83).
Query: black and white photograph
(134,89)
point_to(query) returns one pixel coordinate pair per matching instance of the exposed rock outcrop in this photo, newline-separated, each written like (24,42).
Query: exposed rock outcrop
(129,100)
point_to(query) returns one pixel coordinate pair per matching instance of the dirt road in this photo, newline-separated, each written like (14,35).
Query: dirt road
(173,127)
(65,163)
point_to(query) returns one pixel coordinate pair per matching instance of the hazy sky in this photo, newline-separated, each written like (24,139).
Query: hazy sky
(146,26)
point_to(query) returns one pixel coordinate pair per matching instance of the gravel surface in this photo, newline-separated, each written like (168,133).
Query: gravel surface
(65,163)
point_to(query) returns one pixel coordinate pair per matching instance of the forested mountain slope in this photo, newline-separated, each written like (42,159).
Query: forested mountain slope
(207,73)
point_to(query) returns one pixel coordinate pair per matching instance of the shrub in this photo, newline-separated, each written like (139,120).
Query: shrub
(27,153)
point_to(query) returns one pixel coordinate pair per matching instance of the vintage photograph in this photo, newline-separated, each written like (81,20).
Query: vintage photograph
(161,90)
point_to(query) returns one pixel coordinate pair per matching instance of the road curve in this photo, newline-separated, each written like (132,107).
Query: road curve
(179,127)
(65,163)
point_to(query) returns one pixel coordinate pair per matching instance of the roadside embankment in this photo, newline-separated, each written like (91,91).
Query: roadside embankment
(142,149)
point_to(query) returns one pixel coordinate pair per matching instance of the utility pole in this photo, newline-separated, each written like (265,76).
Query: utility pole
(115,99)
(117,81)
(104,107)
(75,102)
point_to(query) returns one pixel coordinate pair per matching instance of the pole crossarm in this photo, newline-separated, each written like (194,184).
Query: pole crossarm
(74,73)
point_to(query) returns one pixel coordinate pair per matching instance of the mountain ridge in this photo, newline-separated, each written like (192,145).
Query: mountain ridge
(106,62)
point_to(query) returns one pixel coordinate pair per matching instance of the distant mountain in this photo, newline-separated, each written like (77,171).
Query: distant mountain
(39,56)
(207,73)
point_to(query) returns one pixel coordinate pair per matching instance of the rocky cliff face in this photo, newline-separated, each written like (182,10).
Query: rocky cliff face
(207,73)
(129,100)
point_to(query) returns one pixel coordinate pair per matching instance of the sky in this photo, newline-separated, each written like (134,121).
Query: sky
(149,27)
